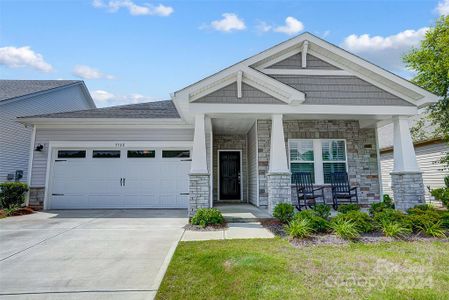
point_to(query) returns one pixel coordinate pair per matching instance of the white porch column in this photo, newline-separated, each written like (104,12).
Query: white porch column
(278,177)
(199,192)
(404,152)
(199,160)
(278,153)
(406,178)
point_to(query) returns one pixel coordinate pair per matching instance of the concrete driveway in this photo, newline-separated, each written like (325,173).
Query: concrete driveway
(93,254)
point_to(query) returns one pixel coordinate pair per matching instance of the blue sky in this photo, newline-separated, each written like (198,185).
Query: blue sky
(129,51)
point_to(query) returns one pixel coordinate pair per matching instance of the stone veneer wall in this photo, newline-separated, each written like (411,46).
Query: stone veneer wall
(408,189)
(199,192)
(361,153)
(278,189)
(36,199)
(230,142)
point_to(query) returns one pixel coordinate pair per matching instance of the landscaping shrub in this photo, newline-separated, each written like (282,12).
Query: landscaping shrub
(441,194)
(207,216)
(300,228)
(344,208)
(424,219)
(12,194)
(322,210)
(444,217)
(316,222)
(390,215)
(422,208)
(345,229)
(433,229)
(387,203)
(284,212)
(362,220)
(394,229)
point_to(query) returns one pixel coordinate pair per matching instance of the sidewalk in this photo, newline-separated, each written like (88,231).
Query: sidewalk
(234,231)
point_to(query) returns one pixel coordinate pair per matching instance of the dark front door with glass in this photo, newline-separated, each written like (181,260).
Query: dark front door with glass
(229,175)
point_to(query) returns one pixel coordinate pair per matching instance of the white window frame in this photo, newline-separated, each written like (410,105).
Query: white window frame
(317,157)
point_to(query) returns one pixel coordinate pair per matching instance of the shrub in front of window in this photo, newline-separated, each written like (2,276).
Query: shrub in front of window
(207,216)
(345,229)
(299,229)
(322,210)
(12,194)
(344,208)
(284,212)
(316,222)
(362,220)
(386,203)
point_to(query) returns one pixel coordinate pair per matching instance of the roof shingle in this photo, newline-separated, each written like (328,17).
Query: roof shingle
(151,110)
(10,89)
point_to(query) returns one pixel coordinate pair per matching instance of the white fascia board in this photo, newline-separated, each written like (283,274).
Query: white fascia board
(346,110)
(307,72)
(120,144)
(257,80)
(99,121)
(272,86)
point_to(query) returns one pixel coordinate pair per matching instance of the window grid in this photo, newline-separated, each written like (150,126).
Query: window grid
(335,159)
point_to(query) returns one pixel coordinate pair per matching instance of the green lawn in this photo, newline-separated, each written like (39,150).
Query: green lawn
(273,269)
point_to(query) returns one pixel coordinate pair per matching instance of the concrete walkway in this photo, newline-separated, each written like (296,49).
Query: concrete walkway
(234,231)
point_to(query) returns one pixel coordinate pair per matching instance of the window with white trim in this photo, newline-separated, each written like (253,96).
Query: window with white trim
(320,157)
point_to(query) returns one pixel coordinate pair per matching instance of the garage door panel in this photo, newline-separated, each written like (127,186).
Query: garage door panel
(95,182)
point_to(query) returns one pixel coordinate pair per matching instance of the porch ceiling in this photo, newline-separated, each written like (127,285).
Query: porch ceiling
(232,125)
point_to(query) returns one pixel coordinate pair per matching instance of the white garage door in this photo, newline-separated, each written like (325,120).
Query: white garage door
(125,178)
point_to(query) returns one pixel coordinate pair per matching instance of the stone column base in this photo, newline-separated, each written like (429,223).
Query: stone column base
(199,192)
(279,189)
(408,189)
(36,198)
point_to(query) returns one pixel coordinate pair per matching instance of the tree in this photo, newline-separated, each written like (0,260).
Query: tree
(431,63)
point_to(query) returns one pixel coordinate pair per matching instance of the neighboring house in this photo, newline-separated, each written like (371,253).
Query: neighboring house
(25,97)
(302,105)
(429,149)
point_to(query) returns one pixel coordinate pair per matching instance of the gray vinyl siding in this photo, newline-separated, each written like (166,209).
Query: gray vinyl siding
(340,90)
(43,136)
(252,165)
(428,157)
(295,62)
(250,95)
(15,139)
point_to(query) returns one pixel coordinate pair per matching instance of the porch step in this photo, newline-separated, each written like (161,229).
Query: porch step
(243,213)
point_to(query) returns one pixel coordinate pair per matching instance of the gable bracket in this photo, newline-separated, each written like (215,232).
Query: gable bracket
(305,47)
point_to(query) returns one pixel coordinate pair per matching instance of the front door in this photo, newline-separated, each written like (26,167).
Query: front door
(229,175)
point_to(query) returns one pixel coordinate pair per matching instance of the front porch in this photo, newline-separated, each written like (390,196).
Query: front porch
(251,160)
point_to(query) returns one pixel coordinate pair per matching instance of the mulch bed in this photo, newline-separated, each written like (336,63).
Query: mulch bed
(18,212)
(207,228)
(277,229)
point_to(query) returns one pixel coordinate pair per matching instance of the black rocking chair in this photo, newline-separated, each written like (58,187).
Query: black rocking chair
(305,190)
(342,192)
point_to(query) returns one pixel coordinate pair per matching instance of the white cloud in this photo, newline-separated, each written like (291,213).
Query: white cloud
(136,10)
(19,57)
(230,22)
(385,50)
(87,72)
(292,26)
(443,8)
(263,27)
(103,98)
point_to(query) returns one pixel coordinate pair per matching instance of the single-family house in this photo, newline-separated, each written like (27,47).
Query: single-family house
(236,136)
